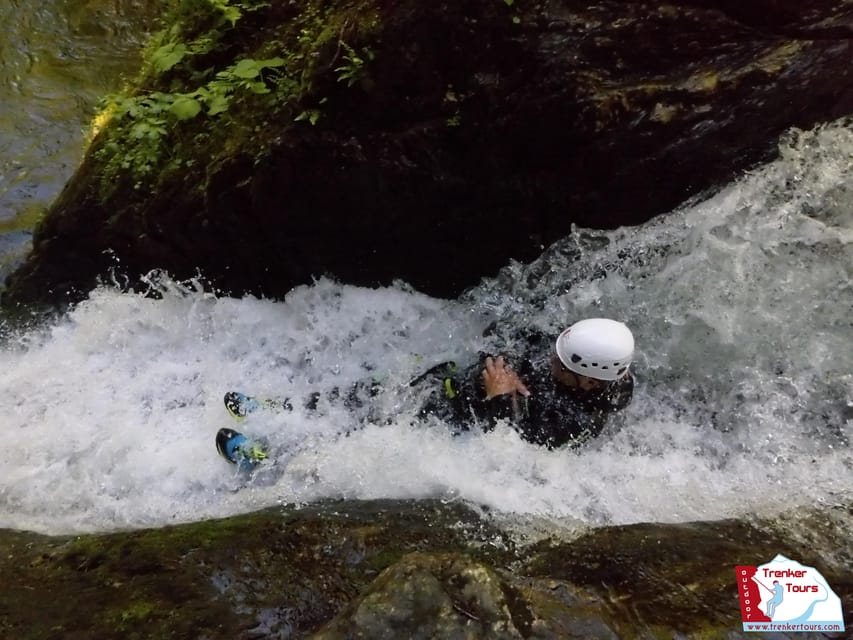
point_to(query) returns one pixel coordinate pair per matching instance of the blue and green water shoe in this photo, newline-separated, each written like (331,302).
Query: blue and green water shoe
(240,405)
(238,449)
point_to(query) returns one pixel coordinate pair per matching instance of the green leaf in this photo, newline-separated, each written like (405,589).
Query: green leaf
(249,68)
(168,56)
(202,45)
(272,62)
(185,107)
(257,87)
(140,130)
(246,69)
(218,103)
(311,115)
(232,15)
(157,102)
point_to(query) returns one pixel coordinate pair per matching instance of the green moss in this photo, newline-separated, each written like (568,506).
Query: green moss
(227,77)
(383,559)
(135,614)
(211,579)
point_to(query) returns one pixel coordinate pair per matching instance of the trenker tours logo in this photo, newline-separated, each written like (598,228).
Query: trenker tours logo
(784,595)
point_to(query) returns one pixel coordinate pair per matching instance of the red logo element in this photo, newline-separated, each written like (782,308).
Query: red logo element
(749,594)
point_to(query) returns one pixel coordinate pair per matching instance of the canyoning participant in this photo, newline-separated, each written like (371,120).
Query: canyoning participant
(558,395)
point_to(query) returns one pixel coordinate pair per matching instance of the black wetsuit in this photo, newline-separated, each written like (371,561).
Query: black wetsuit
(553,415)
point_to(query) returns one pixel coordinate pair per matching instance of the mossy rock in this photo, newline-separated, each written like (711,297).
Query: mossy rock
(391,569)
(269,572)
(266,143)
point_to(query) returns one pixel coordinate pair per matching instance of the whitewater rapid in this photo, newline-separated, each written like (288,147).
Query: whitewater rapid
(741,309)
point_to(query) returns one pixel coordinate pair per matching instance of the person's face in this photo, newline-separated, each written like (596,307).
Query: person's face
(571,379)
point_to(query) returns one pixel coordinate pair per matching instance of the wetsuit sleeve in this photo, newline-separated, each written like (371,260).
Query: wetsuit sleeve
(511,407)
(502,407)
(449,397)
(458,397)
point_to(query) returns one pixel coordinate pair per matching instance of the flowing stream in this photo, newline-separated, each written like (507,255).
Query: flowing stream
(57,59)
(740,304)
(741,309)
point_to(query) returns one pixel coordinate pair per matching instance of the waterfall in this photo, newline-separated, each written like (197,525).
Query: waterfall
(740,306)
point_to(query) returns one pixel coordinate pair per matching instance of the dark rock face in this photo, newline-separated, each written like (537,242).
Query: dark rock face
(476,132)
(392,569)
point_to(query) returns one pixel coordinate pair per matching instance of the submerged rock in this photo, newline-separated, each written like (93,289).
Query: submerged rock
(389,569)
(266,143)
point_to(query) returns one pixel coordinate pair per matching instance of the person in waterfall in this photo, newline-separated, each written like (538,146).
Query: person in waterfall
(560,393)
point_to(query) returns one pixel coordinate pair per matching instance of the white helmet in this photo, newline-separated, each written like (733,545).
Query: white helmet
(597,347)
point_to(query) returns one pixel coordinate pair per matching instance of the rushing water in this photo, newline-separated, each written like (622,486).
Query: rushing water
(57,59)
(741,309)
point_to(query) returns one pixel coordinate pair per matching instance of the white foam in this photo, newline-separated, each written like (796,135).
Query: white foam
(741,310)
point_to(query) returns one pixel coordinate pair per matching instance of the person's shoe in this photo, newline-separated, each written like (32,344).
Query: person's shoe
(238,449)
(240,405)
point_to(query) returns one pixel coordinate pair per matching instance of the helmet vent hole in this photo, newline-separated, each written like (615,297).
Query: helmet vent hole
(604,368)
(594,364)
(576,358)
(584,365)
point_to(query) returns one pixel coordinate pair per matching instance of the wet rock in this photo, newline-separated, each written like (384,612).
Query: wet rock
(453,596)
(389,569)
(679,577)
(430,597)
(425,141)
(274,574)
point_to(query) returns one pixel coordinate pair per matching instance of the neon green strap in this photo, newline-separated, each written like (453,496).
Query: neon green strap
(448,388)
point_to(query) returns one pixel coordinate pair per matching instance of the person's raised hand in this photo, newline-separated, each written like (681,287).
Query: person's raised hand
(499,378)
